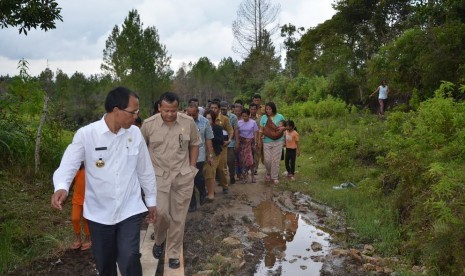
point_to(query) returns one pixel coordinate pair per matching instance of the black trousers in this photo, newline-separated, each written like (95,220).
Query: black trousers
(117,243)
(199,183)
(289,160)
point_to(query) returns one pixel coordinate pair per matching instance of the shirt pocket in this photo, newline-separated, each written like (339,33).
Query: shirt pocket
(154,142)
(184,140)
(133,153)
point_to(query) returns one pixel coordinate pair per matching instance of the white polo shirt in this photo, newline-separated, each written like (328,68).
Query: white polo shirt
(113,191)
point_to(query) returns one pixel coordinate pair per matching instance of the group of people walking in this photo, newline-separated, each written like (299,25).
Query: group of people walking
(171,153)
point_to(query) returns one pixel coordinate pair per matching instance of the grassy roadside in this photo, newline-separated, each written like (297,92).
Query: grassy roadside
(408,170)
(341,150)
(29,227)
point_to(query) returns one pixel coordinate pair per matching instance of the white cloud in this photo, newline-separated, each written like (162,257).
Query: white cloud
(189,29)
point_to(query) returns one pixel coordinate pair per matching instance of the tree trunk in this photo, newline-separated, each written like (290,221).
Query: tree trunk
(39,132)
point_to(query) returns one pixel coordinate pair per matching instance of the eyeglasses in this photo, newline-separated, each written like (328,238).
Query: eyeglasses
(131,112)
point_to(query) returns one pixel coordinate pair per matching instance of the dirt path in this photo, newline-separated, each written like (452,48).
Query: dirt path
(256,229)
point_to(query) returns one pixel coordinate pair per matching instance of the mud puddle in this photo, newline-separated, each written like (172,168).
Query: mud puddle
(292,245)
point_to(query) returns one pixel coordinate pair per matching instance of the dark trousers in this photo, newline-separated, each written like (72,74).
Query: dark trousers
(199,183)
(289,160)
(117,243)
(233,163)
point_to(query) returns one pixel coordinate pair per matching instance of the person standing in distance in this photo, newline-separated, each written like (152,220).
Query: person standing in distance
(117,166)
(173,141)
(383,91)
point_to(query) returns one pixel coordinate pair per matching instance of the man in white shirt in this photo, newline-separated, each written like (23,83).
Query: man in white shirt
(117,165)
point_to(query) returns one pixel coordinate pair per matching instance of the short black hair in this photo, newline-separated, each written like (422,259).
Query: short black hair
(217,103)
(246,111)
(272,105)
(118,97)
(193,100)
(193,105)
(169,97)
(253,104)
(239,101)
(257,96)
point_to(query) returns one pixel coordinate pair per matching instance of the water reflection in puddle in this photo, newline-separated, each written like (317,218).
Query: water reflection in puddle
(288,246)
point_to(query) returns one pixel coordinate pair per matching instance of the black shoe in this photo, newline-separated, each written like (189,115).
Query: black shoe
(157,250)
(192,208)
(232,180)
(225,191)
(174,263)
(202,200)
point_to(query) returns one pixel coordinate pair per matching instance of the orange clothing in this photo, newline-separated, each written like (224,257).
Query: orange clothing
(79,187)
(78,201)
(76,219)
(291,139)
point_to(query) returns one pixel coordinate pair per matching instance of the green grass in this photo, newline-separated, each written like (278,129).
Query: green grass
(29,228)
(339,151)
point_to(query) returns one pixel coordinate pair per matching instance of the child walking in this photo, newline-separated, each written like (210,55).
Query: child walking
(292,148)
(76,212)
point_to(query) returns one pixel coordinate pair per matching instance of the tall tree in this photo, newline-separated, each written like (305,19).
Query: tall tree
(227,77)
(260,66)
(292,46)
(203,76)
(134,56)
(27,14)
(254,17)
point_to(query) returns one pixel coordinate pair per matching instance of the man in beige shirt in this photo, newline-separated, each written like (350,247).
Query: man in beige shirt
(173,141)
(257,99)
(228,134)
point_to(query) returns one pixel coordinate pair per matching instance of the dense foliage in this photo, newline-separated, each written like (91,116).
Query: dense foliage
(27,14)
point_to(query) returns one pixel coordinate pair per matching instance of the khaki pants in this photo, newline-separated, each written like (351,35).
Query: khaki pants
(272,154)
(172,209)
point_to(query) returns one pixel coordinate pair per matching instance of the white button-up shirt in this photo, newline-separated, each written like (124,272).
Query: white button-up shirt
(113,191)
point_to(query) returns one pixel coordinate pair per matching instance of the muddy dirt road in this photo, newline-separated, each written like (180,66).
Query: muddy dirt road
(256,229)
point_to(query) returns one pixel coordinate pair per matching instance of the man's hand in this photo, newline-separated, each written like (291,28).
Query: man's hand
(226,143)
(58,198)
(152,216)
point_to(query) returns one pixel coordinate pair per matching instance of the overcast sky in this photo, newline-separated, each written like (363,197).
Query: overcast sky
(189,29)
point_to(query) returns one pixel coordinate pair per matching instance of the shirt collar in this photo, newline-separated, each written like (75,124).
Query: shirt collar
(161,122)
(103,127)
